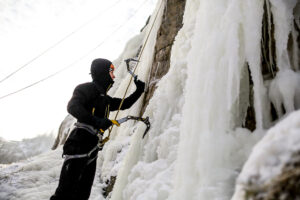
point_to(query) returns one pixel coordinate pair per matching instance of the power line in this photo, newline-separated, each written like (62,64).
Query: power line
(60,41)
(76,61)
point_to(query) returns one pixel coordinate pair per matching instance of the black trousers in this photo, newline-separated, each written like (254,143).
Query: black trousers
(76,179)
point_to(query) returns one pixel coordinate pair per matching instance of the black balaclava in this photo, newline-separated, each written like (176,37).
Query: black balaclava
(100,73)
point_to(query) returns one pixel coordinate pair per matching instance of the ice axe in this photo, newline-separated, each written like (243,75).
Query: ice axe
(122,120)
(129,117)
(127,61)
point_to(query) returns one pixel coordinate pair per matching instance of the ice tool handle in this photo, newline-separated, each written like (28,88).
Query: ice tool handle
(127,61)
(144,120)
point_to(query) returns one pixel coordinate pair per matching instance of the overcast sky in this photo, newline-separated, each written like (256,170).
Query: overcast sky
(29,27)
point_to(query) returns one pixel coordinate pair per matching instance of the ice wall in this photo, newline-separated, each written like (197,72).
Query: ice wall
(210,148)
(194,105)
(196,145)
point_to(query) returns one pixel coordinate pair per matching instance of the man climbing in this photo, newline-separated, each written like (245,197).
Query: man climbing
(90,105)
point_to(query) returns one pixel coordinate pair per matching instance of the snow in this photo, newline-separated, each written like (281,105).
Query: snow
(271,153)
(12,151)
(32,179)
(196,146)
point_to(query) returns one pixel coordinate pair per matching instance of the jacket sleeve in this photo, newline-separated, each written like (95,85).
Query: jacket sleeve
(128,102)
(77,107)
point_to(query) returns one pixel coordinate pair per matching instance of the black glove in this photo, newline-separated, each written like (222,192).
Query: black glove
(140,85)
(103,123)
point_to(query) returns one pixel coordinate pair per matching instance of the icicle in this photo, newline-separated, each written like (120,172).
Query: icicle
(283,18)
(284,90)
(253,12)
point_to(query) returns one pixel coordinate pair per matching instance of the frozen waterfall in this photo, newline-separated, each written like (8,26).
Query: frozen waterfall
(198,141)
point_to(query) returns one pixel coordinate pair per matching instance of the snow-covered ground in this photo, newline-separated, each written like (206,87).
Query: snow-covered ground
(34,178)
(196,147)
(12,151)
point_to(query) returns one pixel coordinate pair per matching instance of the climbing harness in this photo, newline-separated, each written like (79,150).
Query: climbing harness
(85,155)
(93,131)
(99,134)
(88,128)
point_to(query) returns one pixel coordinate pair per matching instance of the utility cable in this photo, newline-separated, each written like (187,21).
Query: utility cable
(76,61)
(60,41)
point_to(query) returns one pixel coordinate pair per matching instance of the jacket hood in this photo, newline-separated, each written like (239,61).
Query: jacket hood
(100,73)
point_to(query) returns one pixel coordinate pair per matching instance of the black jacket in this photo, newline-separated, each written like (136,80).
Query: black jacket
(86,97)
(90,104)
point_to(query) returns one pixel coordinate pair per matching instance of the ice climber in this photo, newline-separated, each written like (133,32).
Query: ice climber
(90,105)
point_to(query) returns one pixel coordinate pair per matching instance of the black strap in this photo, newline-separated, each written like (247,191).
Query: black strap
(87,127)
(85,155)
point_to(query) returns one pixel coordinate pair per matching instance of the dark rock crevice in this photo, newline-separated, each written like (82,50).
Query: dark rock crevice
(171,24)
(250,121)
(268,45)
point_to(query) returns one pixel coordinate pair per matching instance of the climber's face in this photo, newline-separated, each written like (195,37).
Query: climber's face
(111,71)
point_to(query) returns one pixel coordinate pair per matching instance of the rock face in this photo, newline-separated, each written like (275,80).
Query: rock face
(273,169)
(171,24)
(285,186)
(109,186)
(65,128)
